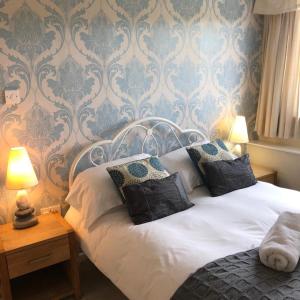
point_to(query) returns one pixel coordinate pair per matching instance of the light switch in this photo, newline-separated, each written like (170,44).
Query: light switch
(12,96)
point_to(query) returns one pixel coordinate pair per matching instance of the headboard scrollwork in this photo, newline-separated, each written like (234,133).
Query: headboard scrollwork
(155,136)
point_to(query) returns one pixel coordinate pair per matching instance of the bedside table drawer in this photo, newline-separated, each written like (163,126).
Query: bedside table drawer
(37,257)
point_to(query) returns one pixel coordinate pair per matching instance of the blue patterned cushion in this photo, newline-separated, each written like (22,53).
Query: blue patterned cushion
(209,152)
(137,172)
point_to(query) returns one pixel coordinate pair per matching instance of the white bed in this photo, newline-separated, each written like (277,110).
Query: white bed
(152,260)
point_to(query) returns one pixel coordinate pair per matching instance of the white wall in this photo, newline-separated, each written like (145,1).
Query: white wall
(285,160)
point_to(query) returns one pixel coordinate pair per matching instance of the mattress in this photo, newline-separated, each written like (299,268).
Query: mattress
(150,261)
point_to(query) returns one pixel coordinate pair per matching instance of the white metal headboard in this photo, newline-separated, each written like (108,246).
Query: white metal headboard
(156,136)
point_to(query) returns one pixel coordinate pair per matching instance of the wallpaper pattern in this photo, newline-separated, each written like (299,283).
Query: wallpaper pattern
(85,68)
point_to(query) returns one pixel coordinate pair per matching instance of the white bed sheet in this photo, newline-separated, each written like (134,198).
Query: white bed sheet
(150,261)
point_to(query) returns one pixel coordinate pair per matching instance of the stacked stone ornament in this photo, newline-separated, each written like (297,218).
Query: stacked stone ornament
(24,215)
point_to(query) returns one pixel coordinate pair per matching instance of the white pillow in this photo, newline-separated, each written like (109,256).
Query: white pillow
(93,192)
(179,161)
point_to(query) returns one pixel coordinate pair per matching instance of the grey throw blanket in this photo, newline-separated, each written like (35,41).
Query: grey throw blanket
(240,277)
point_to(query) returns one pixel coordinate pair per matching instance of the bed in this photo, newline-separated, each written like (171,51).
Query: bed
(150,261)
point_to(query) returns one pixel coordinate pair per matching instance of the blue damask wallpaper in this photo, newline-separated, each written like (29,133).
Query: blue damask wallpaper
(84,68)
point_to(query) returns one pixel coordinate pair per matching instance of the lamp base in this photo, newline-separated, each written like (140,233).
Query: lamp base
(25,218)
(244,149)
(22,223)
(239,149)
(24,215)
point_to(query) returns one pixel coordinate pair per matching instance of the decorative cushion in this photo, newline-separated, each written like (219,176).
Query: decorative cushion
(155,199)
(208,152)
(225,176)
(136,172)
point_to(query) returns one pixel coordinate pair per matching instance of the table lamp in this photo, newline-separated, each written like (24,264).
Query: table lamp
(21,176)
(239,135)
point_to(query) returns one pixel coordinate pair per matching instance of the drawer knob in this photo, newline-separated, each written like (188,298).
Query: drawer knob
(39,259)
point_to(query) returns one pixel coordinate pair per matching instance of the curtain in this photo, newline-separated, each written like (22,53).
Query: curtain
(278,105)
(275,7)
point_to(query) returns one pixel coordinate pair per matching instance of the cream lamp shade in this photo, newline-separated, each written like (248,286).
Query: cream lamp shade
(239,133)
(20,173)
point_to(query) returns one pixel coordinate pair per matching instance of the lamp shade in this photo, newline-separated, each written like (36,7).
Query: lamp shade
(239,133)
(20,173)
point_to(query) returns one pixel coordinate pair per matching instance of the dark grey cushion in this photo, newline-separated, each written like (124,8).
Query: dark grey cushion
(156,198)
(225,176)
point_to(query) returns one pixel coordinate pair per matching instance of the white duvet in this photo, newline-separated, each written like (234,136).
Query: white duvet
(152,260)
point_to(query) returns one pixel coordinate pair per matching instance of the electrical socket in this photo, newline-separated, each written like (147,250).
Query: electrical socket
(12,96)
(51,209)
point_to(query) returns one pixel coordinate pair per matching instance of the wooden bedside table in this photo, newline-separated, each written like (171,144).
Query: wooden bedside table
(51,244)
(264,174)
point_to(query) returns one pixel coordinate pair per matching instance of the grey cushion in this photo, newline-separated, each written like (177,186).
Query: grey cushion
(225,176)
(155,199)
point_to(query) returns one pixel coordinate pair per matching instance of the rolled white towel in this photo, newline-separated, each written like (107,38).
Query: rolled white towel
(280,249)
